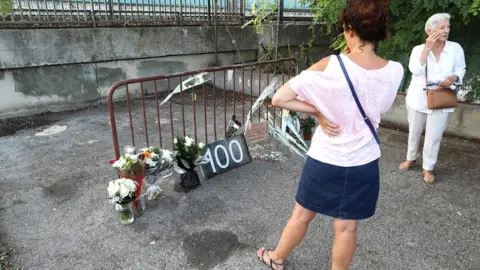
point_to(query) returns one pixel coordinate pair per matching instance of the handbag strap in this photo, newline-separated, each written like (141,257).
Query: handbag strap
(426,74)
(352,89)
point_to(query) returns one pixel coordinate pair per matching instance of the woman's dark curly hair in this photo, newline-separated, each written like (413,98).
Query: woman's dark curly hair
(368,18)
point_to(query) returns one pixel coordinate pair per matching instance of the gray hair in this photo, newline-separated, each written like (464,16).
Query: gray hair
(435,19)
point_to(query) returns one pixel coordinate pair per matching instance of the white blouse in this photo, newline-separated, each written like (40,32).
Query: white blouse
(452,62)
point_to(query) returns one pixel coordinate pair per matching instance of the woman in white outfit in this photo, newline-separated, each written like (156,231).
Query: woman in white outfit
(445,62)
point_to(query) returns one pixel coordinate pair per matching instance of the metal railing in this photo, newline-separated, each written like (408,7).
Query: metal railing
(122,13)
(72,13)
(201,104)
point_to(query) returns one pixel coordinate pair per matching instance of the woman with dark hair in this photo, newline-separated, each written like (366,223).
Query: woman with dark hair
(340,177)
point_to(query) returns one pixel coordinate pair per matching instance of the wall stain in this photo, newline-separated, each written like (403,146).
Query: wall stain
(106,77)
(152,67)
(67,81)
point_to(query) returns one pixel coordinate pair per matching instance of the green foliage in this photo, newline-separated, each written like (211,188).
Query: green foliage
(325,20)
(186,148)
(131,166)
(475,9)
(263,12)
(326,12)
(5,6)
(307,124)
(407,23)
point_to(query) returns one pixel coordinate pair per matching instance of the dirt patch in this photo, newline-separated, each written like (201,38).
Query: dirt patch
(208,95)
(11,125)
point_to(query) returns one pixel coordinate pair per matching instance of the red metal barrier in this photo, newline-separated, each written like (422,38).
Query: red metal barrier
(238,88)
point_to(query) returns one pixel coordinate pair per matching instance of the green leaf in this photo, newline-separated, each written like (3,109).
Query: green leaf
(407,23)
(5,6)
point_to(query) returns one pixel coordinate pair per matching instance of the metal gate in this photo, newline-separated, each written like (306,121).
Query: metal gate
(201,104)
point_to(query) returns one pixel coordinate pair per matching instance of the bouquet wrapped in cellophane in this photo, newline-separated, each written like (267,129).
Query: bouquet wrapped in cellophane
(159,168)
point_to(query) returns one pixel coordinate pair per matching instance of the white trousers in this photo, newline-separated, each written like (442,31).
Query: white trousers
(436,124)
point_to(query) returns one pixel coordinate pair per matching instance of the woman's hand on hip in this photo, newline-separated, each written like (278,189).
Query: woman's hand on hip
(328,127)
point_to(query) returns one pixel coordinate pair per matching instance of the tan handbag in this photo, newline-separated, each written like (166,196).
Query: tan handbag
(439,98)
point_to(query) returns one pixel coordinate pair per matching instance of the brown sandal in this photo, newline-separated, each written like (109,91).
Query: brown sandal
(428,177)
(269,263)
(406,165)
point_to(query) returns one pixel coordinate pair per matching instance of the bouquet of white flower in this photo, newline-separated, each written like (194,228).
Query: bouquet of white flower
(159,168)
(157,158)
(186,148)
(130,164)
(188,155)
(122,190)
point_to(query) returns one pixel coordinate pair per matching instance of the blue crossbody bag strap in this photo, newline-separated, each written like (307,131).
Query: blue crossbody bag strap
(352,89)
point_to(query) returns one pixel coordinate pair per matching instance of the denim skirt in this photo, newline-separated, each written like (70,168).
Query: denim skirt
(340,192)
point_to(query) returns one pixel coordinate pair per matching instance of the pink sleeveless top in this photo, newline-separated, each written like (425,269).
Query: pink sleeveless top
(329,92)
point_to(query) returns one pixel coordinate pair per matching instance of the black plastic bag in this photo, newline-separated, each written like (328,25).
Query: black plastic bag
(189,179)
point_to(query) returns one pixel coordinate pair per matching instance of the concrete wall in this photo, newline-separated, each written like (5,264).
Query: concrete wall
(464,121)
(57,69)
(40,47)
(35,90)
